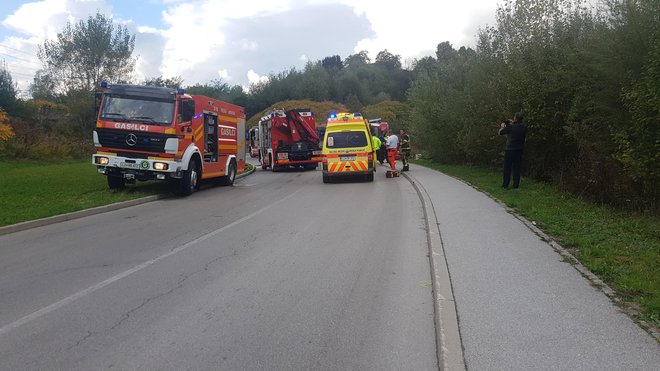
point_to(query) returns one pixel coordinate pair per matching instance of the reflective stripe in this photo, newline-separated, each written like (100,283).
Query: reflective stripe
(347,166)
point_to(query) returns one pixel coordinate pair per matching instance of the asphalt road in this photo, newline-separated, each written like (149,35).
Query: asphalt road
(279,272)
(283,272)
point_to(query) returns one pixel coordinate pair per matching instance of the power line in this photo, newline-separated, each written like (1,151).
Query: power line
(20,59)
(22,70)
(18,50)
(20,74)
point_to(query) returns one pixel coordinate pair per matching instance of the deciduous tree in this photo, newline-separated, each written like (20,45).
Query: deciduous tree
(87,52)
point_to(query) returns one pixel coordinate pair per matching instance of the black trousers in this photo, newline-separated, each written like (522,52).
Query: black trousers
(512,163)
(405,155)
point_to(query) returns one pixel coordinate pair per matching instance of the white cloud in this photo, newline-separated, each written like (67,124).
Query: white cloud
(224,75)
(303,58)
(415,27)
(249,45)
(43,19)
(254,78)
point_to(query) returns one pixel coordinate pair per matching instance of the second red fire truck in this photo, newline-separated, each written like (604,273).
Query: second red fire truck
(289,139)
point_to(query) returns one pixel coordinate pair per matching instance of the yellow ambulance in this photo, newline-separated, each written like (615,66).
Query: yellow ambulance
(347,148)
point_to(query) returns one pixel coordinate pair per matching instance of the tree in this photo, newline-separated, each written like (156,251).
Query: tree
(332,64)
(388,60)
(170,82)
(314,83)
(43,86)
(6,132)
(7,89)
(88,52)
(357,60)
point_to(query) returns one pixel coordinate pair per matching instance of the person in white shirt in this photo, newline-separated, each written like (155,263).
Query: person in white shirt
(392,147)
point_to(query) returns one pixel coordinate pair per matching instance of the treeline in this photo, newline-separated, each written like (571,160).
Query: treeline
(586,79)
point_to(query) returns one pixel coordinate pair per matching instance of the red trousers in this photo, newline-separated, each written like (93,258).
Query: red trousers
(391,157)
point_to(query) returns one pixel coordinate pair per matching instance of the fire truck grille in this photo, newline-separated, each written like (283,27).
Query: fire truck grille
(133,140)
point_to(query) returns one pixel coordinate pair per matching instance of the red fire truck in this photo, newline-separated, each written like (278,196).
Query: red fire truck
(289,138)
(147,132)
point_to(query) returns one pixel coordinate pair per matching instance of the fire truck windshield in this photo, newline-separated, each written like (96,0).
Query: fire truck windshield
(138,109)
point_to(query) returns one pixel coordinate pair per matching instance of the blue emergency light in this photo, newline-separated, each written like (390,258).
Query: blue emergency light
(180,91)
(104,84)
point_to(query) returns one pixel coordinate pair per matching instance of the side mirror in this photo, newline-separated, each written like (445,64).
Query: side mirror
(97,101)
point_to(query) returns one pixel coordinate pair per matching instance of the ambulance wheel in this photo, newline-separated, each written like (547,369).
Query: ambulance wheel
(231,175)
(188,183)
(116,182)
(370,177)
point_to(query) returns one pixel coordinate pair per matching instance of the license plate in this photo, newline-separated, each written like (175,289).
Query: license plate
(130,165)
(282,156)
(346,158)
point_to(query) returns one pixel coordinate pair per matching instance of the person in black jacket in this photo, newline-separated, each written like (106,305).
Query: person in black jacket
(515,132)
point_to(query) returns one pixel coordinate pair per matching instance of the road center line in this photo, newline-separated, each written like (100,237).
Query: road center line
(43,311)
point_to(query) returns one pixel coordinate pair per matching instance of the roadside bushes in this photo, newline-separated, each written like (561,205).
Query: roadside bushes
(588,83)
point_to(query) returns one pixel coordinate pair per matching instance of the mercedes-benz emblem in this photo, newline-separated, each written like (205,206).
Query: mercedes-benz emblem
(131,139)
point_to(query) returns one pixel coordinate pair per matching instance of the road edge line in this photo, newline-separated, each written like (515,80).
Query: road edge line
(22,226)
(448,337)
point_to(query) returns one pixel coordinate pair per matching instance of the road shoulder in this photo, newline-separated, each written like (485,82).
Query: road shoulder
(448,338)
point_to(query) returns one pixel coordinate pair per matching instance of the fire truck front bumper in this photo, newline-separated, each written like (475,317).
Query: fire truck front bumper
(136,168)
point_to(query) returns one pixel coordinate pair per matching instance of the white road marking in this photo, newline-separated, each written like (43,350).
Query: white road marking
(43,311)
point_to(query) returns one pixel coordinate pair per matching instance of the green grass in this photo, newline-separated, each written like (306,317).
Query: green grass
(622,249)
(31,190)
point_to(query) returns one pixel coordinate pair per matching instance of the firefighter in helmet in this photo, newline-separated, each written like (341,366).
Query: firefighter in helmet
(405,149)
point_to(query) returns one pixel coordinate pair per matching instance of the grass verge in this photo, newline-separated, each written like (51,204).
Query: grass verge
(622,249)
(31,190)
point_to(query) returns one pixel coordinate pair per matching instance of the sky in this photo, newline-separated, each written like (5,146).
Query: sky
(243,41)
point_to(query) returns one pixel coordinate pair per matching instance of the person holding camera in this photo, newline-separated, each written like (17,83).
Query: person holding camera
(515,131)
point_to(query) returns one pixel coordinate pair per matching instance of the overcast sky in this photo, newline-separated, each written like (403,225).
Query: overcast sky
(242,41)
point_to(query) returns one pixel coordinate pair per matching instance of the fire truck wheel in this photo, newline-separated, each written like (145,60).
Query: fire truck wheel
(188,183)
(116,182)
(231,175)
